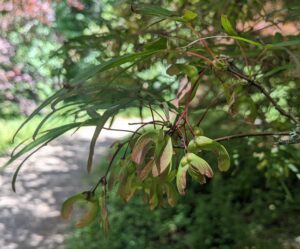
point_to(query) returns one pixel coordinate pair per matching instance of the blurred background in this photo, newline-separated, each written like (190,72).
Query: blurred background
(43,43)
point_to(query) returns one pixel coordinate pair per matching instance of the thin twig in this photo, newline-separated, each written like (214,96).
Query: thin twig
(264,92)
(102,179)
(251,134)
(158,122)
(152,116)
(199,56)
(112,129)
(210,105)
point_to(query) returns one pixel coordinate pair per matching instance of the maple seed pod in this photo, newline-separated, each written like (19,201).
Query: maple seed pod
(193,147)
(198,131)
(190,157)
(184,161)
(204,142)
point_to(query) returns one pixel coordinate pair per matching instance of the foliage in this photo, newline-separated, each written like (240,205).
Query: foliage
(27,40)
(237,210)
(206,67)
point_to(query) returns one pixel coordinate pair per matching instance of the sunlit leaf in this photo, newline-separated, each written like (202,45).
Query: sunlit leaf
(100,124)
(189,15)
(115,62)
(153,10)
(227,26)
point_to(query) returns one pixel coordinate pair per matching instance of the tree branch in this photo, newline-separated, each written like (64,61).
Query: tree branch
(252,134)
(263,91)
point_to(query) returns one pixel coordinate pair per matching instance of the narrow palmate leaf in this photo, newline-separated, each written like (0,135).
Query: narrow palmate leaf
(49,135)
(36,111)
(158,44)
(152,10)
(239,38)
(115,62)
(227,25)
(102,120)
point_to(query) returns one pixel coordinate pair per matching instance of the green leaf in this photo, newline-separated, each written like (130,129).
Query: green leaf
(158,44)
(189,15)
(277,70)
(36,111)
(153,10)
(102,120)
(114,62)
(248,41)
(166,110)
(227,26)
(292,42)
(49,135)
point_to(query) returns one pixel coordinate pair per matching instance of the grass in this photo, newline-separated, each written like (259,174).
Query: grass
(9,127)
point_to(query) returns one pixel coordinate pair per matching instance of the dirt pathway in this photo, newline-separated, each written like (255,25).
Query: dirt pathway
(30,218)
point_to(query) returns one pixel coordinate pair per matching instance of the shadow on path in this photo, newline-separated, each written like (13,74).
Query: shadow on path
(30,218)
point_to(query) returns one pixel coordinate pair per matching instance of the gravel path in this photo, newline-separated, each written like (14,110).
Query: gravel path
(30,218)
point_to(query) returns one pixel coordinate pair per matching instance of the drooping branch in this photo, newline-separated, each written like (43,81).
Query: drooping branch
(252,134)
(239,74)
